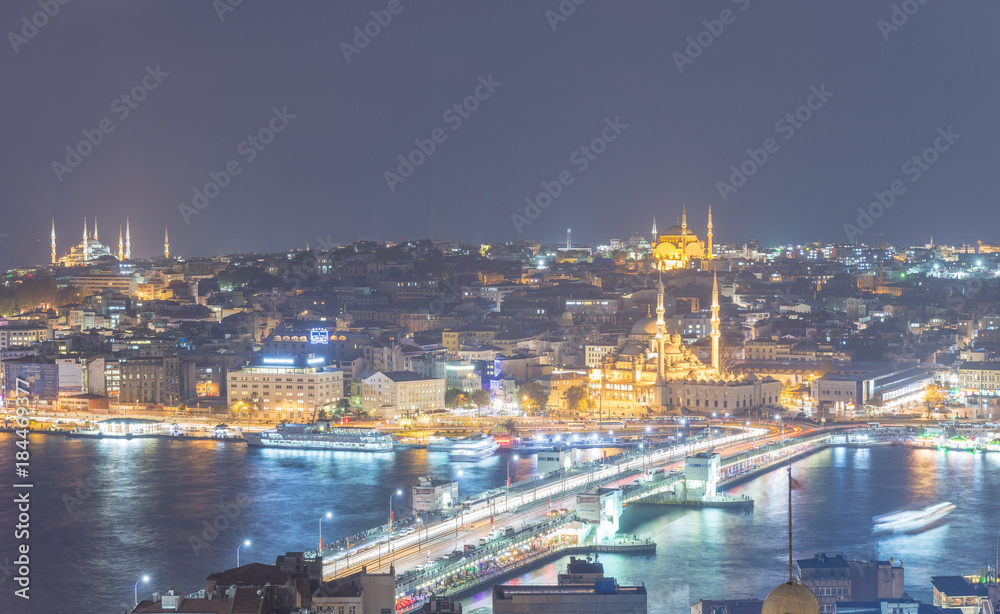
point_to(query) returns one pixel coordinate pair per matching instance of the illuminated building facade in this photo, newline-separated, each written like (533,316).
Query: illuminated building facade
(398,393)
(675,248)
(286,388)
(655,373)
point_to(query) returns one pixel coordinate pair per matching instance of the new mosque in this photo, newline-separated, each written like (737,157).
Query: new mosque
(654,373)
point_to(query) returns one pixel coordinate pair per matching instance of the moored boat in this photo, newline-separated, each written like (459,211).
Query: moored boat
(320,437)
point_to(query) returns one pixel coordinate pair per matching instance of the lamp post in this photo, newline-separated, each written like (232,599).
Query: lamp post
(388,544)
(326,515)
(513,458)
(245,543)
(136,588)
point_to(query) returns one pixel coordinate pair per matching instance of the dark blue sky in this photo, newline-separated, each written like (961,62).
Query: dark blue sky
(323,175)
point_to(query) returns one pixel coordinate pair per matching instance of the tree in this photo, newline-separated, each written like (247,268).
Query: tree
(510,425)
(577,398)
(455,397)
(935,395)
(240,410)
(533,397)
(479,397)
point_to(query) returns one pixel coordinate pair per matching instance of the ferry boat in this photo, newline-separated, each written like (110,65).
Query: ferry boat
(533,445)
(320,437)
(911,520)
(993,446)
(440,444)
(471,450)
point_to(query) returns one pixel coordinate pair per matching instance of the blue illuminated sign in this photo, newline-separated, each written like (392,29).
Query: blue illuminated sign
(319,335)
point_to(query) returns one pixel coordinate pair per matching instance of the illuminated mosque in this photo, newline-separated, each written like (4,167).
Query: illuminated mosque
(91,249)
(655,373)
(675,248)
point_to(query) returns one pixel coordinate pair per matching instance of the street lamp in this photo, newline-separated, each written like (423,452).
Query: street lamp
(327,515)
(388,544)
(136,588)
(514,458)
(247,544)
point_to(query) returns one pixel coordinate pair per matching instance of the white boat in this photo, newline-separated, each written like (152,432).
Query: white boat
(440,444)
(471,450)
(908,521)
(316,437)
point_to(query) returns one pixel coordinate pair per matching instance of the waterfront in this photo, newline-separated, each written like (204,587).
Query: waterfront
(152,498)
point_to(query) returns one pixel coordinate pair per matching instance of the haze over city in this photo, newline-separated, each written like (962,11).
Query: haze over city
(324,176)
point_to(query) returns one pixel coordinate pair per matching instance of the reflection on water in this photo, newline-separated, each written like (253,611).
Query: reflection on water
(104,512)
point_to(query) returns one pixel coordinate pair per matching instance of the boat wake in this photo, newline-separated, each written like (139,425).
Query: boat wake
(909,521)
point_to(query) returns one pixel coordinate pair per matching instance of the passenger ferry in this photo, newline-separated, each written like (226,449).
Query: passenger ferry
(320,437)
(911,520)
(440,444)
(471,450)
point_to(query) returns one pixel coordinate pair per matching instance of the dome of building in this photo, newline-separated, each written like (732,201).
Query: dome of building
(645,326)
(674,231)
(637,238)
(632,349)
(791,598)
(670,349)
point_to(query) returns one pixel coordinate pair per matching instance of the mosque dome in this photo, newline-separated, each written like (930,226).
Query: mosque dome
(645,326)
(675,231)
(632,349)
(791,598)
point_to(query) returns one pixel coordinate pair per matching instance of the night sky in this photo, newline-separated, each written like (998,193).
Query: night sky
(547,84)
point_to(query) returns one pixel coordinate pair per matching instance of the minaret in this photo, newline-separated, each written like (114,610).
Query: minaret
(715,322)
(53,240)
(121,245)
(166,244)
(684,221)
(95,229)
(128,242)
(86,248)
(660,392)
(710,247)
(661,330)
(655,236)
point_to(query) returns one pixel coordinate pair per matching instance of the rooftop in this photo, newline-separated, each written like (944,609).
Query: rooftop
(957,586)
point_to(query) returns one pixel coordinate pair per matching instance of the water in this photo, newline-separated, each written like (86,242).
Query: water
(149,502)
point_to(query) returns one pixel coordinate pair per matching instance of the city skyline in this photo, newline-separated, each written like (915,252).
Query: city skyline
(493,125)
(415,305)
